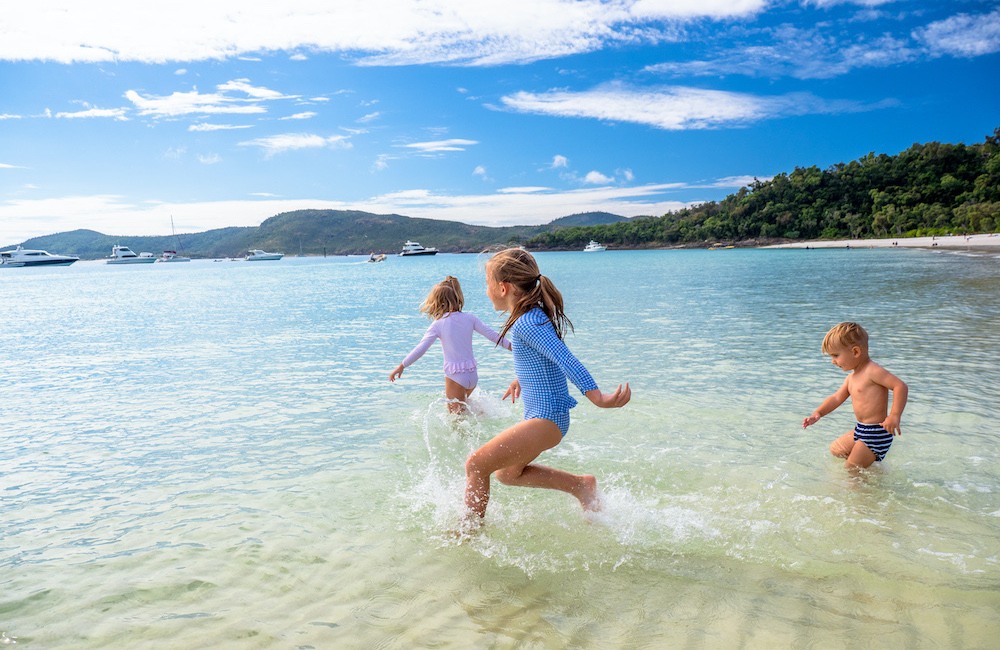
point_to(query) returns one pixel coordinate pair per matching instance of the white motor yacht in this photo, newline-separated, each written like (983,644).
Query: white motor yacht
(29,257)
(257,255)
(412,248)
(125,255)
(594,247)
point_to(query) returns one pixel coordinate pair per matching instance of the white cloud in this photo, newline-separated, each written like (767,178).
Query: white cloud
(209,159)
(394,32)
(177,104)
(118,114)
(559,161)
(204,127)
(275,144)
(454,144)
(193,102)
(370,117)
(673,107)
(307,115)
(963,35)
(6,166)
(597,178)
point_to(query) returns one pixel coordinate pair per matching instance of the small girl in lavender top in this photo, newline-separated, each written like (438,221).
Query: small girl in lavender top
(454,328)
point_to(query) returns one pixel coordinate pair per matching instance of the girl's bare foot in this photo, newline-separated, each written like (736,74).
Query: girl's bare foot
(588,495)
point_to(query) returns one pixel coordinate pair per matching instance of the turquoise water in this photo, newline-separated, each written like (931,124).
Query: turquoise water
(211,455)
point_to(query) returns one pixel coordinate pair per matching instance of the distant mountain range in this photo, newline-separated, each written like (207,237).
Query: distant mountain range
(317,232)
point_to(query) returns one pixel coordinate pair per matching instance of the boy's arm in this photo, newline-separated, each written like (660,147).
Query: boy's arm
(828,405)
(900,391)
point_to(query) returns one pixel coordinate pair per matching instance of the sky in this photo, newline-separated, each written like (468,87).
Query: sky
(145,118)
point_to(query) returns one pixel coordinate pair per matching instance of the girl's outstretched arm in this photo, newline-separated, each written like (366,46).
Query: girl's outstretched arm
(397,373)
(614,400)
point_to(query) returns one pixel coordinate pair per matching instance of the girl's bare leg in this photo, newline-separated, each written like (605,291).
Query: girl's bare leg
(509,455)
(457,395)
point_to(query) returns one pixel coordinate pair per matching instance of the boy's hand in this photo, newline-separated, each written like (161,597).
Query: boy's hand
(514,390)
(812,419)
(397,373)
(891,424)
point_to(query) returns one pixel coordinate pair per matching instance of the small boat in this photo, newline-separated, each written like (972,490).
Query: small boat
(29,257)
(719,246)
(172,256)
(594,247)
(125,255)
(376,258)
(257,255)
(412,248)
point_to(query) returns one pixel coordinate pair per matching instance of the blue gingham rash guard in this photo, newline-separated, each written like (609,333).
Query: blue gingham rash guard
(542,363)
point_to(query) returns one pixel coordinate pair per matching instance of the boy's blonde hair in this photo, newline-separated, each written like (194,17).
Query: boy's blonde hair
(845,335)
(517,267)
(446,296)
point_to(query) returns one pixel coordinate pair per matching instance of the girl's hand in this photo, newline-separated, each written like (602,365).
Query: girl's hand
(397,373)
(614,400)
(514,390)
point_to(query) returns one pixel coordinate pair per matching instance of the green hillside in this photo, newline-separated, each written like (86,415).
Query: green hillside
(929,189)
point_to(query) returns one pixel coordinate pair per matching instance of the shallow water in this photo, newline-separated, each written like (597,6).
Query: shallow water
(210,455)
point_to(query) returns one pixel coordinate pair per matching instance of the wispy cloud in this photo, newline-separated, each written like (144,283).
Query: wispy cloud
(204,127)
(90,113)
(963,35)
(436,146)
(673,107)
(307,115)
(233,97)
(276,144)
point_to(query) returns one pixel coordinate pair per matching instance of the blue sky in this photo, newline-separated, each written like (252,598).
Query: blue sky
(117,116)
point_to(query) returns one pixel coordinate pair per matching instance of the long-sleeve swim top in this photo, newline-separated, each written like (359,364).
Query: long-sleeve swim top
(454,329)
(542,363)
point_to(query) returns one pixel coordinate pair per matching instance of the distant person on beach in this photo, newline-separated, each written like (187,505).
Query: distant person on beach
(454,328)
(542,362)
(868,385)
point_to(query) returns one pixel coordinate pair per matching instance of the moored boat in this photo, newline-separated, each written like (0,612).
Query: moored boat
(412,248)
(31,257)
(594,247)
(257,255)
(172,256)
(125,255)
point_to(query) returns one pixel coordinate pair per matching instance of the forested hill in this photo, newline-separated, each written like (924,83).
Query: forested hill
(929,189)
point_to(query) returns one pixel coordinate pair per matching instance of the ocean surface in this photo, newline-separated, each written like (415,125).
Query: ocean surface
(211,455)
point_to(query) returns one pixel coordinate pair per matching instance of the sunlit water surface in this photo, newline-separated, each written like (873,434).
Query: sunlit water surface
(210,455)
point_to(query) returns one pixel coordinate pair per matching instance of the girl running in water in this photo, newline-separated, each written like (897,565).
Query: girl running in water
(542,363)
(454,328)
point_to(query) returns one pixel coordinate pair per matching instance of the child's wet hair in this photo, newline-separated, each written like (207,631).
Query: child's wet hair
(444,297)
(845,335)
(518,268)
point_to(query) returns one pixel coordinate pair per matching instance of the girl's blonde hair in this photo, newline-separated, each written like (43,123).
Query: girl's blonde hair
(446,296)
(517,267)
(845,335)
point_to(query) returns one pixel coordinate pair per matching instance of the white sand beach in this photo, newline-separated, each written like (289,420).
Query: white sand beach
(962,242)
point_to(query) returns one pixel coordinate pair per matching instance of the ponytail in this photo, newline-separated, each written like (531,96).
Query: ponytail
(518,268)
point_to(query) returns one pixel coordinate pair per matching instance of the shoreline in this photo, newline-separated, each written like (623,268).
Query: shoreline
(984,242)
